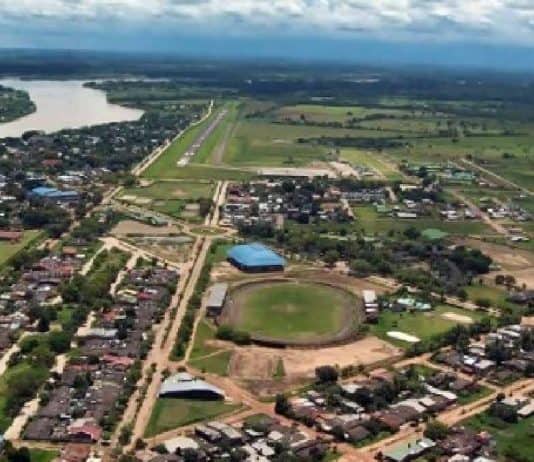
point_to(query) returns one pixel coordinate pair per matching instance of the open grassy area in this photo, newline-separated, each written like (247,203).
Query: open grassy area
(8,250)
(375,223)
(170,413)
(167,161)
(42,455)
(373,161)
(292,311)
(195,171)
(513,440)
(204,333)
(214,364)
(495,295)
(161,190)
(421,325)
(15,371)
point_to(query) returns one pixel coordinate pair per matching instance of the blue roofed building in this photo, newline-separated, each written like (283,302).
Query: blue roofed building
(54,194)
(255,258)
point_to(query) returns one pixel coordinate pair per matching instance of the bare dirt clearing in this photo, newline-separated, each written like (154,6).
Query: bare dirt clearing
(458,318)
(129,227)
(259,361)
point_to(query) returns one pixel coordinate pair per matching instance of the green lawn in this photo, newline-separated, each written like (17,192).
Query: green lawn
(293,310)
(8,250)
(161,190)
(513,440)
(205,332)
(215,364)
(42,455)
(421,325)
(194,171)
(373,161)
(495,295)
(15,371)
(167,161)
(374,223)
(170,413)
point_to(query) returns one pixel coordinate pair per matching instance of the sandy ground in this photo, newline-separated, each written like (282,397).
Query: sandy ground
(458,318)
(507,257)
(528,321)
(135,227)
(515,262)
(259,362)
(344,169)
(403,336)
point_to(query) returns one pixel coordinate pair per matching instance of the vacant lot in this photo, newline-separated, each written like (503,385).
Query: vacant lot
(291,310)
(170,413)
(161,190)
(373,222)
(7,250)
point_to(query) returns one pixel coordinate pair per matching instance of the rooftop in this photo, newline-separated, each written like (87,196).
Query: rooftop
(255,255)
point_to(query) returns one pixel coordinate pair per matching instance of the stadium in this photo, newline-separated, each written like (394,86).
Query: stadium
(292,312)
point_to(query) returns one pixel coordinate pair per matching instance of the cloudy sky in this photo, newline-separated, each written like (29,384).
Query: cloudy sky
(309,27)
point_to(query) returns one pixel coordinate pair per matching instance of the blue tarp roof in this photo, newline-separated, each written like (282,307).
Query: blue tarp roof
(255,255)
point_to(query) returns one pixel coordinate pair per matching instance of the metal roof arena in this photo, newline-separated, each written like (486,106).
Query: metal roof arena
(255,255)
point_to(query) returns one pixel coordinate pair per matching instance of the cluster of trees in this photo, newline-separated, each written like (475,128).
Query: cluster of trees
(15,104)
(186,327)
(228,333)
(92,290)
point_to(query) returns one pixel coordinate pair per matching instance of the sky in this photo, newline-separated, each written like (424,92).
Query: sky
(463,32)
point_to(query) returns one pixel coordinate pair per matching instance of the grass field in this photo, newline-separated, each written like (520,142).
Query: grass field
(215,364)
(5,419)
(167,161)
(259,142)
(204,333)
(374,223)
(161,190)
(42,455)
(373,161)
(292,311)
(495,295)
(512,440)
(421,325)
(170,413)
(8,250)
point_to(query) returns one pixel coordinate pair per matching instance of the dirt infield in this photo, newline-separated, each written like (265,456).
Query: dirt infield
(348,306)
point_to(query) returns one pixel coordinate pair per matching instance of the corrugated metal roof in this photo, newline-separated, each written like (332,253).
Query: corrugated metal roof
(217,294)
(183,383)
(255,255)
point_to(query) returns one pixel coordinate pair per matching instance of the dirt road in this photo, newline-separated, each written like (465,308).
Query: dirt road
(497,177)
(485,217)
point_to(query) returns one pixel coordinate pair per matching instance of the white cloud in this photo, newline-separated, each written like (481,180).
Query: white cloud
(504,20)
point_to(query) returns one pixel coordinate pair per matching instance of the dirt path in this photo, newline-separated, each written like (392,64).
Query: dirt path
(163,349)
(485,218)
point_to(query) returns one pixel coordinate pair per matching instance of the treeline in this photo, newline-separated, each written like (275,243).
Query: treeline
(355,142)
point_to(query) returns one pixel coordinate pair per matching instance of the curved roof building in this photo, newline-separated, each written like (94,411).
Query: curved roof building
(255,258)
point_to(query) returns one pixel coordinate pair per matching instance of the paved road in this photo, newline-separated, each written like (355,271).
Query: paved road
(148,161)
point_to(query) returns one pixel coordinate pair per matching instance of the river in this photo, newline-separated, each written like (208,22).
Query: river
(64,104)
